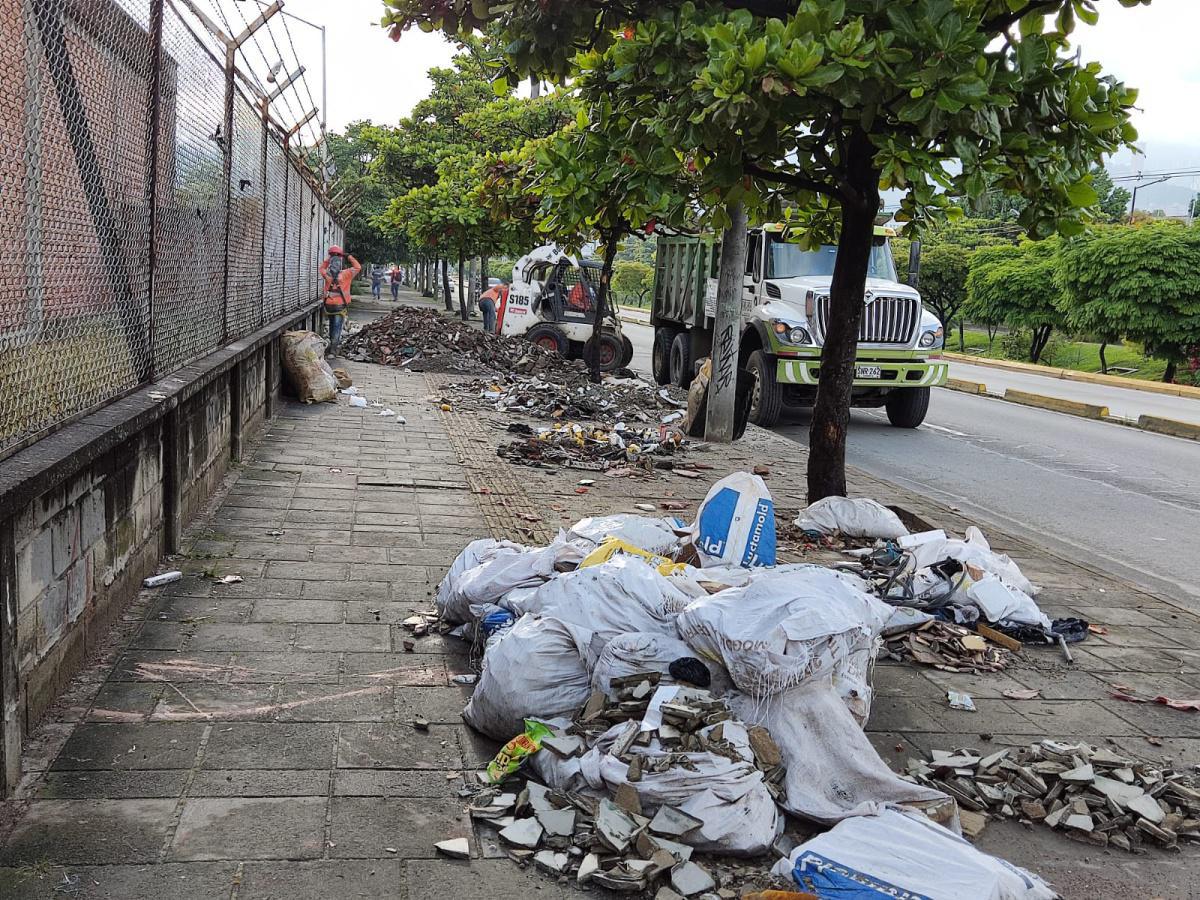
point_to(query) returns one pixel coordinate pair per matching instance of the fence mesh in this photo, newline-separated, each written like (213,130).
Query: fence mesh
(131,252)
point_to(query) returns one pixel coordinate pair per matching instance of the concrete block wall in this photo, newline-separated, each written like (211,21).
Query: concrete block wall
(85,520)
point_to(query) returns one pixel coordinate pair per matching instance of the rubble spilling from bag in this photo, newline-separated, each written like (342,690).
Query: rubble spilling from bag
(667,687)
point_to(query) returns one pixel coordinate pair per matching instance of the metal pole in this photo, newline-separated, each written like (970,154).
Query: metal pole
(722,387)
(230,61)
(156,31)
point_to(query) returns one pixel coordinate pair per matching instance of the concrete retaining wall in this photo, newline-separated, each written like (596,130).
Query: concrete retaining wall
(86,513)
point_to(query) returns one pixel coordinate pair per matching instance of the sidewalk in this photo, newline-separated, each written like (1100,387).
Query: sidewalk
(254,740)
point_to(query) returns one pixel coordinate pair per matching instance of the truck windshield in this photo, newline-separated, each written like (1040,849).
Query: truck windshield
(786,260)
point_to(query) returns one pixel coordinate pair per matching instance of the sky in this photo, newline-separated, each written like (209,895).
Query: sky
(1152,48)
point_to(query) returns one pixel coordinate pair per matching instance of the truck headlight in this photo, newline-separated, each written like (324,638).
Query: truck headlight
(791,334)
(798,336)
(931,339)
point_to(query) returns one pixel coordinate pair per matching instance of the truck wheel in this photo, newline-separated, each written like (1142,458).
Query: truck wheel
(906,407)
(626,351)
(548,337)
(610,350)
(767,398)
(660,355)
(681,359)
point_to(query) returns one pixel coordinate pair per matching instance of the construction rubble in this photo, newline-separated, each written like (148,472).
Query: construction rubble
(684,714)
(1091,793)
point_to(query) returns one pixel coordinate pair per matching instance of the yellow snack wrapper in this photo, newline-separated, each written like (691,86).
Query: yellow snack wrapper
(612,546)
(516,751)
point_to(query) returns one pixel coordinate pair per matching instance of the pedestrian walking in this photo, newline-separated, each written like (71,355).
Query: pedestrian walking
(395,278)
(338,270)
(488,301)
(376,281)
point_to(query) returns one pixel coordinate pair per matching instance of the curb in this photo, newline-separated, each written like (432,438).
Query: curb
(1070,407)
(1133,384)
(966,387)
(1173,427)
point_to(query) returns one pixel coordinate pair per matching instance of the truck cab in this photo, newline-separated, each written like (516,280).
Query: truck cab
(785,312)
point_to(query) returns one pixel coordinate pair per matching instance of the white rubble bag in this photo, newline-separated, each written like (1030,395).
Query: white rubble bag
(504,570)
(654,535)
(735,524)
(861,518)
(894,854)
(638,652)
(833,770)
(973,551)
(621,595)
(999,602)
(739,814)
(304,364)
(790,625)
(469,557)
(539,669)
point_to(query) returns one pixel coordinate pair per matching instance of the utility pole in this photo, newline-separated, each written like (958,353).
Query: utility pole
(722,386)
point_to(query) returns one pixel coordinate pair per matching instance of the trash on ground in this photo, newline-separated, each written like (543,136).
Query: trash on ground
(1121,692)
(1093,794)
(343,379)
(946,646)
(165,578)
(358,402)
(455,848)
(853,518)
(959,700)
(230,579)
(305,367)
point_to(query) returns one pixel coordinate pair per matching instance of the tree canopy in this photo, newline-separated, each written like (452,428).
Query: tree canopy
(1016,286)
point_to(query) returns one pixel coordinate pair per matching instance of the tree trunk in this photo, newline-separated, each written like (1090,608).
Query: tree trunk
(719,424)
(1169,373)
(483,274)
(446,283)
(831,411)
(611,240)
(462,296)
(1103,361)
(962,340)
(991,331)
(1041,336)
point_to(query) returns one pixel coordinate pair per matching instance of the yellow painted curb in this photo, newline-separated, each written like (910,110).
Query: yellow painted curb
(1133,384)
(1169,426)
(1071,407)
(967,387)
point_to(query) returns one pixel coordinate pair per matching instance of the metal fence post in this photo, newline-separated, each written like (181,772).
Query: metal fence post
(262,260)
(155,118)
(230,63)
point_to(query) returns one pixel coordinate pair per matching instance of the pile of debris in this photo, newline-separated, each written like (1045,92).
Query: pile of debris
(567,393)
(949,647)
(421,340)
(592,448)
(1090,793)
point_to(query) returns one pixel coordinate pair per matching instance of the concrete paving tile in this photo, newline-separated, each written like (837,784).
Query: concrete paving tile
(373,591)
(395,573)
(357,638)
(900,714)
(124,701)
(195,610)
(241,637)
(318,570)
(1058,718)
(321,518)
(269,667)
(161,636)
(991,716)
(1141,659)
(398,783)
(374,879)
(67,832)
(256,745)
(153,745)
(1180,753)
(989,684)
(362,827)
(1156,719)
(385,612)
(273,551)
(207,702)
(1062,684)
(1114,615)
(399,746)
(260,783)
(354,555)
(437,704)
(362,702)
(256,588)
(235,828)
(401,669)
(111,785)
(168,665)
(480,879)
(136,882)
(291,610)
(1132,636)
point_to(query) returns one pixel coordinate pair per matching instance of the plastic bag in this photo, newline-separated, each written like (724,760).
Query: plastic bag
(612,546)
(619,596)
(654,535)
(540,668)
(999,602)
(832,770)
(736,523)
(852,518)
(974,552)
(790,625)
(729,797)
(503,570)
(455,609)
(897,854)
(516,751)
(638,652)
(304,363)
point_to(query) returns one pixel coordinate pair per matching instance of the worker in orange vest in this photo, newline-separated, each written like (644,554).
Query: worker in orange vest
(338,271)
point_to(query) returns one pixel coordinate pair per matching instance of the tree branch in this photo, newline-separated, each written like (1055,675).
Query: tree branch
(1001,23)
(791,179)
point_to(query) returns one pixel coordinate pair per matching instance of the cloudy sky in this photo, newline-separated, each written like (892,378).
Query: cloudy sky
(1153,48)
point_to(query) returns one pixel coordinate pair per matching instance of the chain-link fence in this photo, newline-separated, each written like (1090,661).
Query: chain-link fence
(142,228)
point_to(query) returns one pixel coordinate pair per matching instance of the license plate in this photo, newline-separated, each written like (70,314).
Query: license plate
(867,372)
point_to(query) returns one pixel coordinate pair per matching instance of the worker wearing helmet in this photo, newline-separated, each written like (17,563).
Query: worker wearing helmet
(338,271)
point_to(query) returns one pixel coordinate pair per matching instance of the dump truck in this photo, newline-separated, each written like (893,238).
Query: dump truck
(784,314)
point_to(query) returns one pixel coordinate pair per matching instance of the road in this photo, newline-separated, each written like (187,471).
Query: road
(1121,500)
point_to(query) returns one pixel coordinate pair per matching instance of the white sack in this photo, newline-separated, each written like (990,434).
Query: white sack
(974,551)
(999,602)
(853,518)
(654,535)
(638,652)
(790,625)
(469,557)
(904,618)
(502,571)
(735,524)
(621,595)
(832,770)
(739,815)
(897,854)
(538,669)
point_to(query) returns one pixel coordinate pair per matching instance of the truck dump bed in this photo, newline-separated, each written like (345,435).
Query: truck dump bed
(682,269)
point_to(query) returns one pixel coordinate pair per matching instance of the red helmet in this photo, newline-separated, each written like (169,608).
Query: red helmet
(335,250)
